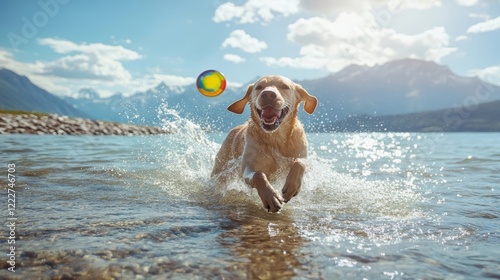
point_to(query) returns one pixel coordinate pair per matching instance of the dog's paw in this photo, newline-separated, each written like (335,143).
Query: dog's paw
(293,180)
(271,199)
(290,190)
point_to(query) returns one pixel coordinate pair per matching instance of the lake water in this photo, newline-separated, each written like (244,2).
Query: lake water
(372,206)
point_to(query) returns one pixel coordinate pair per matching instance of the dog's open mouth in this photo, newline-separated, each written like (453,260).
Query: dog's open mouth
(270,117)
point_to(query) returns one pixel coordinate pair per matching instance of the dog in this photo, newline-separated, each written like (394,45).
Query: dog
(272,141)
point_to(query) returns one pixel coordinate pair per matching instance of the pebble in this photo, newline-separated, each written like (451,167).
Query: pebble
(62,125)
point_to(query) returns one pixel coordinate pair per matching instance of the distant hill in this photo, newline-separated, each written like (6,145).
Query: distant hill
(484,117)
(348,99)
(151,107)
(19,93)
(397,87)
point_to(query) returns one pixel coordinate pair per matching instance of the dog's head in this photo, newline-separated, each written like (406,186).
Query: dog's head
(273,100)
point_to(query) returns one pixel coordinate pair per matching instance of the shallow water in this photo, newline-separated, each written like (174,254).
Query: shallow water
(374,206)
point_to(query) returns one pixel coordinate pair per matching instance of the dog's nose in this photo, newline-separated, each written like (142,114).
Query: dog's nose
(268,96)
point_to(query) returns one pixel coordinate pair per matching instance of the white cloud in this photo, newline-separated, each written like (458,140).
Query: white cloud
(334,5)
(410,4)
(318,30)
(8,61)
(68,74)
(227,12)
(240,39)
(489,74)
(234,58)
(355,38)
(361,6)
(174,83)
(485,26)
(461,38)
(87,66)
(114,52)
(481,16)
(32,71)
(252,11)
(91,61)
(466,3)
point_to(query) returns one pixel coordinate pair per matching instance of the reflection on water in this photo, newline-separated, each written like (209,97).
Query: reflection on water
(269,243)
(372,206)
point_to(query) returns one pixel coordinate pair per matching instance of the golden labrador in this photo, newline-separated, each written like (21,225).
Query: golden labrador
(271,142)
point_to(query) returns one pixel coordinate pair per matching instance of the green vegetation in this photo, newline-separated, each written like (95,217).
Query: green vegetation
(20,112)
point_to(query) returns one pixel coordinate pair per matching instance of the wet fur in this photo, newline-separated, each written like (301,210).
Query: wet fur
(263,153)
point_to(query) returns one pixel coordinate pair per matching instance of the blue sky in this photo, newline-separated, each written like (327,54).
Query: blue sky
(129,46)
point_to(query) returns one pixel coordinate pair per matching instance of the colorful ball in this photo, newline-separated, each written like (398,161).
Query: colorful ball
(211,83)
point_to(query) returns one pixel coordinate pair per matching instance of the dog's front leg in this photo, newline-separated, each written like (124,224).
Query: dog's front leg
(271,199)
(293,180)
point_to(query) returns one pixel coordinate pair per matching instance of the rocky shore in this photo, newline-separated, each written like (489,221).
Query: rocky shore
(11,123)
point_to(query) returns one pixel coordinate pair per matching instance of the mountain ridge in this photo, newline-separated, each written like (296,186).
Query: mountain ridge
(19,93)
(396,88)
(483,117)
(407,85)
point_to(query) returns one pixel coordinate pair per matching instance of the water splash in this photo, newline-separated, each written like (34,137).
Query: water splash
(341,194)
(190,151)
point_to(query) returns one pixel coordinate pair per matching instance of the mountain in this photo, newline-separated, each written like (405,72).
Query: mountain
(152,107)
(394,88)
(397,87)
(19,93)
(484,117)
(347,98)
(88,100)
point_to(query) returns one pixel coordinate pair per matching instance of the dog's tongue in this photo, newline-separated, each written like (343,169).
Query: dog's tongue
(270,114)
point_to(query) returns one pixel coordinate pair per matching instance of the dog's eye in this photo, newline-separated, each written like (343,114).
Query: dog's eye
(258,87)
(285,86)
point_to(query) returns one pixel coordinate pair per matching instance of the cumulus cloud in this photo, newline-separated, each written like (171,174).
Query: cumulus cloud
(485,26)
(87,66)
(481,16)
(90,65)
(489,74)
(174,83)
(234,58)
(466,3)
(8,61)
(65,46)
(362,6)
(252,11)
(355,38)
(33,72)
(241,40)
(319,30)
(91,61)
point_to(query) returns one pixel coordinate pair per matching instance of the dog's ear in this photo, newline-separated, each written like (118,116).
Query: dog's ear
(310,102)
(238,106)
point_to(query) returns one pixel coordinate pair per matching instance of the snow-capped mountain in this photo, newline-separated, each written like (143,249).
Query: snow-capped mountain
(148,107)
(394,88)
(398,87)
